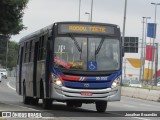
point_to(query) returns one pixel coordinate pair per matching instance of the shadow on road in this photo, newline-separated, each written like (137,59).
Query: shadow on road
(61,110)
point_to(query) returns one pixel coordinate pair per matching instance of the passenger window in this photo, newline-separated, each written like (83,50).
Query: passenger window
(18,54)
(30,51)
(42,47)
(44,39)
(25,55)
(39,49)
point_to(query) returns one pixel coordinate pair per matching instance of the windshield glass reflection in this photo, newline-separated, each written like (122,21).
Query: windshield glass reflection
(86,53)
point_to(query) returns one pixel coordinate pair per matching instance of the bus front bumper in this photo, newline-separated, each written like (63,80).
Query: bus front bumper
(64,94)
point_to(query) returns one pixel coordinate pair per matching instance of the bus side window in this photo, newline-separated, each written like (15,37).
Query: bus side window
(18,54)
(45,46)
(39,49)
(26,53)
(42,47)
(30,51)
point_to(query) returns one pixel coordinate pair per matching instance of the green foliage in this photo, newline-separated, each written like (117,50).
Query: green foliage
(3,44)
(11,13)
(12,53)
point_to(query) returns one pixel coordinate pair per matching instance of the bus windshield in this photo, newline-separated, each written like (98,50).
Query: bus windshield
(87,53)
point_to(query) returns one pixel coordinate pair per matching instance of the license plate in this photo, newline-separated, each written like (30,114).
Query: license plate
(86,93)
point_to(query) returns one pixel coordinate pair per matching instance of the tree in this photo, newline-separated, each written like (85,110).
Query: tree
(3,44)
(11,13)
(12,53)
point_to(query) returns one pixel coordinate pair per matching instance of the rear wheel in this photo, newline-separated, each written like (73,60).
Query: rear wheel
(101,106)
(73,104)
(34,101)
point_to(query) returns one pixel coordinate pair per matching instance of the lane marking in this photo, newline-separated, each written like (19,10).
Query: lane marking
(18,105)
(21,106)
(141,118)
(144,104)
(10,86)
(48,118)
(129,105)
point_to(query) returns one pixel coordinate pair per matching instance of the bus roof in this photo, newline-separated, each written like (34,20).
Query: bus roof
(35,33)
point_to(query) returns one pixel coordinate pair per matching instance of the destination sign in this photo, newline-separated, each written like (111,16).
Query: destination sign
(86,29)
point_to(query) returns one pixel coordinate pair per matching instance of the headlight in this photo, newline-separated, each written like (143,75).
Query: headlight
(55,79)
(116,82)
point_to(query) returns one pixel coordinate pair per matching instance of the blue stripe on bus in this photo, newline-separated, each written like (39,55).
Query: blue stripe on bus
(101,84)
(115,75)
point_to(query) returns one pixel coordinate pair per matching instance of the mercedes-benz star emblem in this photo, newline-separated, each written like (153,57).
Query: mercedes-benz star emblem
(86,85)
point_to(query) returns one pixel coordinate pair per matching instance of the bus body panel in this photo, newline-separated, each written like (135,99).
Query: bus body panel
(40,75)
(29,78)
(74,94)
(106,93)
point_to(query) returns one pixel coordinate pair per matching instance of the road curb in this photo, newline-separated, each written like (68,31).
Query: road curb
(2,118)
(152,95)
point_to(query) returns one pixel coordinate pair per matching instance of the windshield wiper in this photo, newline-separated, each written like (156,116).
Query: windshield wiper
(99,46)
(76,43)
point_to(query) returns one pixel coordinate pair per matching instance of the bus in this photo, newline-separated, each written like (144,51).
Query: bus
(71,62)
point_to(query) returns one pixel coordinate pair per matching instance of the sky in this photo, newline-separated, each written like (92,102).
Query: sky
(41,13)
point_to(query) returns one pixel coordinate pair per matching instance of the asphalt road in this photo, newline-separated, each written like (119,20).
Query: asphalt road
(11,101)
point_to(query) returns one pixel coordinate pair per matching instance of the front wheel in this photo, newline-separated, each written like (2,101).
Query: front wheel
(47,103)
(101,106)
(69,104)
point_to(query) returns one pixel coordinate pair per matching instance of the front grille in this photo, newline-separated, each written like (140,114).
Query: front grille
(87,85)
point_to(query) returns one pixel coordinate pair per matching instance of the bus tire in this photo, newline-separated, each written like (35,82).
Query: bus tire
(26,100)
(70,104)
(73,104)
(47,103)
(78,104)
(101,106)
(34,101)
